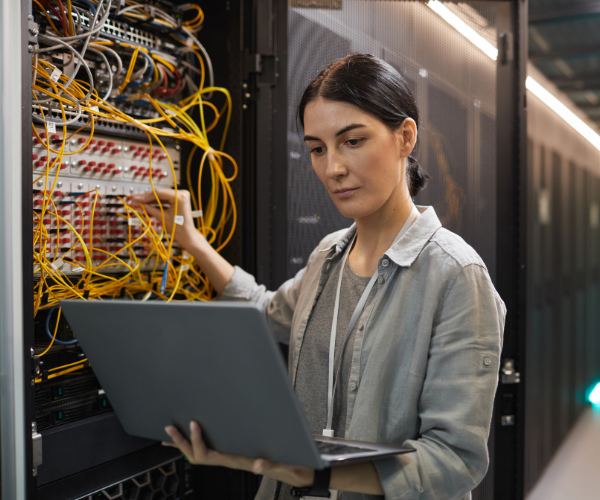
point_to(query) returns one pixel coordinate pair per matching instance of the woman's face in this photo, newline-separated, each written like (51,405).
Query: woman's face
(356,156)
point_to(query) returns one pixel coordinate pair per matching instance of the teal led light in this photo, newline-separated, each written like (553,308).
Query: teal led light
(594,396)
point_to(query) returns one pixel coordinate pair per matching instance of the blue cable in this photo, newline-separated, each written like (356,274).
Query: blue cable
(90,5)
(56,341)
(163,285)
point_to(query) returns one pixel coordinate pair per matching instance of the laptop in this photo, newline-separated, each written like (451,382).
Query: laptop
(216,363)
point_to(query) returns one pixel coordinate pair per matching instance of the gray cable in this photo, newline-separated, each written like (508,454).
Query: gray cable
(79,19)
(81,54)
(114,54)
(61,124)
(87,68)
(163,15)
(110,73)
(72,39)
(138,74)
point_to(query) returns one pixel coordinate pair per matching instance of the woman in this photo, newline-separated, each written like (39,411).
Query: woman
(419,363)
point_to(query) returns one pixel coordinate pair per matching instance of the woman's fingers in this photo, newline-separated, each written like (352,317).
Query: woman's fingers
(258,466)
(164,195)
(197,441)
(153,211)
(180,442)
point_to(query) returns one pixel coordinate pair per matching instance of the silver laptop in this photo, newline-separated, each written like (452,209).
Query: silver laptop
(215,363)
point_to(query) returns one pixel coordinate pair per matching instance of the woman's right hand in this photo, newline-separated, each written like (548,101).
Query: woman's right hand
(218,271)
(186,234)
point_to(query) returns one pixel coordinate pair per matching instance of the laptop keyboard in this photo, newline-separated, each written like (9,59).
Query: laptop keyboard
(327,448)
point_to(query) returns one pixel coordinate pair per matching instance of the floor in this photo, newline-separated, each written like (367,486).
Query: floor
(574,472)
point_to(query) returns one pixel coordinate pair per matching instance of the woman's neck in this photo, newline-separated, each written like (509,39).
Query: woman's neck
(376,232)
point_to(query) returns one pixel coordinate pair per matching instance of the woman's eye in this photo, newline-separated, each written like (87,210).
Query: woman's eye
(318,150)
(354,142)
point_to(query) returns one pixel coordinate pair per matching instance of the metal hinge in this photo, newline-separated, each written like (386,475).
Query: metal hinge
(509,375)
(36,439)
(506,48)
(252,64)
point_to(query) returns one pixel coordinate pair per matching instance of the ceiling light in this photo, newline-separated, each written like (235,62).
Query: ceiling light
(532,85)
(463,28)
(565,113)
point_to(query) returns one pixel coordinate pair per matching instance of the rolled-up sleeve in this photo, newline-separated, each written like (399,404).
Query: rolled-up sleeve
(456,402)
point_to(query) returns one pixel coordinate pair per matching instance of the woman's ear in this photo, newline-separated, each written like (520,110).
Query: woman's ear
(406,134)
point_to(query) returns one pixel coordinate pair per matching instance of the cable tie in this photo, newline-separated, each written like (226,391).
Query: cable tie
(185,267)
(211,156)
(55,75)
(58,264)
(178,219)
(197,213)
(141,125)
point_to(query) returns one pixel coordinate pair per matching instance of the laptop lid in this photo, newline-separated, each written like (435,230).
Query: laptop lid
(215,363)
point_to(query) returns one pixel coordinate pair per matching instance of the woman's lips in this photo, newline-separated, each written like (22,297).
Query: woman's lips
(345,193)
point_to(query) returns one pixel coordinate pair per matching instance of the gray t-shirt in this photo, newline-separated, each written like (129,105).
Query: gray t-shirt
(313,362)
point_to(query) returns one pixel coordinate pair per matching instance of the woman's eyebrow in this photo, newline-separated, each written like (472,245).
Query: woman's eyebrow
(340,132)
(348,128)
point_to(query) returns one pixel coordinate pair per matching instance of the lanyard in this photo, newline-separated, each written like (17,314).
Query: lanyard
(328,431)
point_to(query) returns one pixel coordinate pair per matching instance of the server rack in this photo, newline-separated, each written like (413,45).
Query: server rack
(94,454)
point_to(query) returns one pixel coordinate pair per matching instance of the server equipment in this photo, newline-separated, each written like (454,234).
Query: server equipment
(119,97)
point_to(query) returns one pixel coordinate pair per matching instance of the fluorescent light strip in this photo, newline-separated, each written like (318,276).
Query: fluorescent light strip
(463,28)
(533,85)
(563,111)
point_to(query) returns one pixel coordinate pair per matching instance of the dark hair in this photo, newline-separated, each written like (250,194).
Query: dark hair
(374,86)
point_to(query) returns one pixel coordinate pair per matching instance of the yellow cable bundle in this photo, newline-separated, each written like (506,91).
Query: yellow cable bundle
(191,284)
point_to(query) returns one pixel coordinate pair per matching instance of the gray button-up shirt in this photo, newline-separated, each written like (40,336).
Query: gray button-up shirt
(425,364)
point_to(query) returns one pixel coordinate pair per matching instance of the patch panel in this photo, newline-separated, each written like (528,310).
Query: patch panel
(107,159)
(113,168)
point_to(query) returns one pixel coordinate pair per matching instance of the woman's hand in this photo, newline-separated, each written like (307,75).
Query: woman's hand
(186,233)
(197,453)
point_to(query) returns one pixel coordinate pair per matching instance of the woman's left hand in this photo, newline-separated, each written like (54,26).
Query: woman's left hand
(197,453)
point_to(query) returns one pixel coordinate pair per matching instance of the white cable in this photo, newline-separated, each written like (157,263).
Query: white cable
(78,55)
(114,54)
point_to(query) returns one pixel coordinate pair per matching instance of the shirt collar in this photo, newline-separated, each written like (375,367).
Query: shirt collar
(408,248)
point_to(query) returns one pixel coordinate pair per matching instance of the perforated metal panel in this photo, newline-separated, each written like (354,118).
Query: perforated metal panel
(454,83)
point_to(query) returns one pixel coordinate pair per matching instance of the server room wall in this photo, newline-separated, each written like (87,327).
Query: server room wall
(563,321)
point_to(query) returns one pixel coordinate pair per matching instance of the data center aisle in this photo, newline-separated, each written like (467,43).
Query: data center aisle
(573,472)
